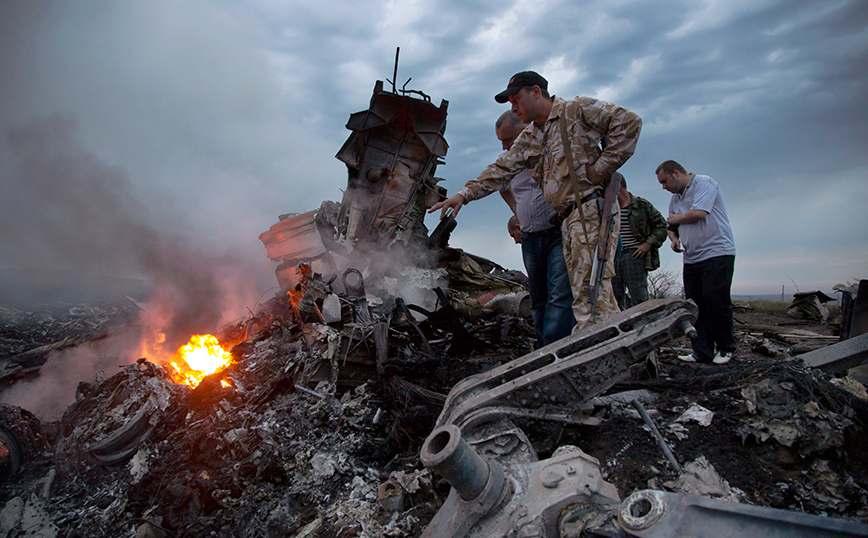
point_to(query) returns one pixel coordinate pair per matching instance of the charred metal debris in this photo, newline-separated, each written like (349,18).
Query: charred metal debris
(391,389)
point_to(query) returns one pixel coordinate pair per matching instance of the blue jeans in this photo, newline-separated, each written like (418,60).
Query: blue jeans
(551,298)
(708,283)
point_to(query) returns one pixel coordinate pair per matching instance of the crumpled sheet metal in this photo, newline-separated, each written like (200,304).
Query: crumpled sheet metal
(122,443)
(391,157)
(293,238)
(809,305)
(117,416)
(467,273)
(779,416)
(699,477)
(659,514)
(26,518)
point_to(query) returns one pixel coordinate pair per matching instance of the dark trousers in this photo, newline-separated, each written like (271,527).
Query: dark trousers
(551,297)
(708,283)
(630,274)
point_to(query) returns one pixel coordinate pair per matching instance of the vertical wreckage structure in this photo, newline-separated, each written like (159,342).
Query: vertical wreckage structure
(391,157)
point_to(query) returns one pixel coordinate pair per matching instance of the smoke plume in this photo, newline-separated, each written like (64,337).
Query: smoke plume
(65,210)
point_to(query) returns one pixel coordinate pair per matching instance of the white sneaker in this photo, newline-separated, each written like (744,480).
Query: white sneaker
(722,358)
(687,358)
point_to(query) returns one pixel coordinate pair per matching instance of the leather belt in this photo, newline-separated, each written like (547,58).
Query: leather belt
(562,215)
(547,231)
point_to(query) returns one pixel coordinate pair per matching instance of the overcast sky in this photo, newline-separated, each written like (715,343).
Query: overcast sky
(204,120)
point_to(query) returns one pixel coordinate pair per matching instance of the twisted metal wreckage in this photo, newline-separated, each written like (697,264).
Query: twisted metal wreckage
(391,157)
(480,443)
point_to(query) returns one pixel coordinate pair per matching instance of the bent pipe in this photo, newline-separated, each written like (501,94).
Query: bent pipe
(478,485)
(449,455)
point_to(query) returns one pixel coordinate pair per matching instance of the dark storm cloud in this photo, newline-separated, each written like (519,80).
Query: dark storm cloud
(224,114)
(181,94)
(794,75)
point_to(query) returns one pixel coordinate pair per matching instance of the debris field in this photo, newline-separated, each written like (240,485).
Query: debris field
(271,456)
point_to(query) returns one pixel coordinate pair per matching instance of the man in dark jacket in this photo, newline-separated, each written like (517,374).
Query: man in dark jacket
(643,231)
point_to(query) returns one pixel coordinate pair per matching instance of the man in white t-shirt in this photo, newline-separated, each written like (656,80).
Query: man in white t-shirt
(699,227)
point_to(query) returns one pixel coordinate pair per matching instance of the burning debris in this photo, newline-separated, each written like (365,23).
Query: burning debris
(391,389)
(201,356)
(291,448)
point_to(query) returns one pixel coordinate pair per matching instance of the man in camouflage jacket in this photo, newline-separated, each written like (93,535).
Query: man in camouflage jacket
(540,149)
(643,232)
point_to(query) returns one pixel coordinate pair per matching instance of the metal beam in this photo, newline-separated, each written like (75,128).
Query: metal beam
(839,357)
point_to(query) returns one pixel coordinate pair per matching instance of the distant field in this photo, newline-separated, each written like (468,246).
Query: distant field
(764,305)
(23,288)
(787,298)
(773,303)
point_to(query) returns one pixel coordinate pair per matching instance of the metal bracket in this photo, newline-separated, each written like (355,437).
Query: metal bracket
(553,382)
(659,514)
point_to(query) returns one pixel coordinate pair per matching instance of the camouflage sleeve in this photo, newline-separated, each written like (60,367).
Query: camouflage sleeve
(498,174)
(621,126)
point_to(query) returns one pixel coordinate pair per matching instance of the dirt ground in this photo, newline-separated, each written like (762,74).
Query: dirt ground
(827,479)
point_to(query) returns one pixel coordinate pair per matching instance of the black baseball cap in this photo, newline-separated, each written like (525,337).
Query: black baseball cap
(519,81)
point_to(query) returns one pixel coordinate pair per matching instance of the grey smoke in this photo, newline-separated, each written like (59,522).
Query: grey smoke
(68,211)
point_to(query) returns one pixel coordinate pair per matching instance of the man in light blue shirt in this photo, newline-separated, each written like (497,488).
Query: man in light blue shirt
(551,297)
(699,227)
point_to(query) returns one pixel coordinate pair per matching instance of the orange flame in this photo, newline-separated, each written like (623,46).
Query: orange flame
(202,356)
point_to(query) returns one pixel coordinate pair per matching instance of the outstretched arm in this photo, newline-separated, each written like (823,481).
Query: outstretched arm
(455,203)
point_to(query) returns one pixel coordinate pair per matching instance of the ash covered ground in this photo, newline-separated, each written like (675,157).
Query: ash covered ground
(288,449)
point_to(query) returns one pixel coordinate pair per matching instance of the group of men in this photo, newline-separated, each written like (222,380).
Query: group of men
(558,157)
